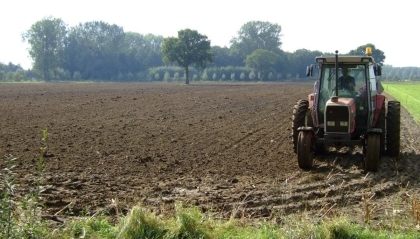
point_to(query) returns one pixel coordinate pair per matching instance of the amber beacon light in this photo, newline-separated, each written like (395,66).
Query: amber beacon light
(368,51)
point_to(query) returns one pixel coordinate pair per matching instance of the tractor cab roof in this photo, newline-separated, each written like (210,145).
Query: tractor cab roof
(344,59)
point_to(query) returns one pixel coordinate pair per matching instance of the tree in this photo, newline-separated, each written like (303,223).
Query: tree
(1,71)
(223,57)
(302,58)
(93,49)
(176,76)
(256,35)
(167,77)
(46,40)
(252,75)
(205,76)
(152,50)
(261,60)
(270,76)
(19,75)
(242,76)
(138,52)
(189,48)
(130,57)
(377,54)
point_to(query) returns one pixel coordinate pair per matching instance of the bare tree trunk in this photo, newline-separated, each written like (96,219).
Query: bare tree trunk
(187,72)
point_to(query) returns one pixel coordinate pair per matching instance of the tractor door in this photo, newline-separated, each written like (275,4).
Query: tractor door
(360,73)
(325,89)
(372,92)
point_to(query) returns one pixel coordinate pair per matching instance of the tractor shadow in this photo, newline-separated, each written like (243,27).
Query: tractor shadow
(344,158)
(349,161)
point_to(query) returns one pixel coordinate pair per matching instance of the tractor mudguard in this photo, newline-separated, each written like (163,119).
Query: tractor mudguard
(374,130)
(304,128)
(311,99)
(380,99)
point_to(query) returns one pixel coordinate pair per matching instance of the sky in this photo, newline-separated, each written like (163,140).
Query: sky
(323,25)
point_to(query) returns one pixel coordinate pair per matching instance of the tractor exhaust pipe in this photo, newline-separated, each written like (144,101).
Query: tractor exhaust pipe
(336,73)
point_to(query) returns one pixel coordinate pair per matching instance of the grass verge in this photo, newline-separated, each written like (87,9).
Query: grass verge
(189,222)
(407,94)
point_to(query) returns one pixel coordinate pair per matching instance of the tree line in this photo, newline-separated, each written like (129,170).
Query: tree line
(100,51)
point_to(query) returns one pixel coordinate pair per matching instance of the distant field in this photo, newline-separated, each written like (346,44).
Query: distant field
(408,95)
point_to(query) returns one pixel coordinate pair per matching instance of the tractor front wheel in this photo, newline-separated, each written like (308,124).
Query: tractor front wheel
(373,152)
(304,149)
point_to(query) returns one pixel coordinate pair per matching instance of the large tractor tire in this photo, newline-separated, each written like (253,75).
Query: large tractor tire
(373,146)
(300,111)
(304,150)
(381,124)
(393,122)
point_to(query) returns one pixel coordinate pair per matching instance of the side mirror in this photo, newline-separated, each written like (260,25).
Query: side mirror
(309,70)
(377,70)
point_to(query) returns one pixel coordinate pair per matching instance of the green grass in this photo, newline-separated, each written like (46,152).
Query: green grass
(189,222)
(407,94)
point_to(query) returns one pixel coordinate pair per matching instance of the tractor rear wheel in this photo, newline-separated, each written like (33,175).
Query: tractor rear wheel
(393,122)
(373,148)
(298,120)
(304,149)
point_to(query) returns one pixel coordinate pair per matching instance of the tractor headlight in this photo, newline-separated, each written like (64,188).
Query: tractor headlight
(330,123)
(344,123)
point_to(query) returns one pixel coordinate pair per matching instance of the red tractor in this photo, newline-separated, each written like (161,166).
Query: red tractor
(346,108)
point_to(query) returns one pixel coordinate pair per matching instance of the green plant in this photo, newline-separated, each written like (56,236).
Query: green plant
(18,219)
(30,222)
(40,165)
(22,219)
(415,209)
(7,204)
(140,223)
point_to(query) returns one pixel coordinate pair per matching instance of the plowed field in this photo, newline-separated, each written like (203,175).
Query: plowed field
(225,148)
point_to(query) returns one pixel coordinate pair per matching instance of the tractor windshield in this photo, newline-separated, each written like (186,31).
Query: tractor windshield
(350,79)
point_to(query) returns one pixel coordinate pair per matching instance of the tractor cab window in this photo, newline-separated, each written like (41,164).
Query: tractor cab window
(351,78)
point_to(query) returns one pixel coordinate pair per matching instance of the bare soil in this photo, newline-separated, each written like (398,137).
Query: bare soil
(224,148)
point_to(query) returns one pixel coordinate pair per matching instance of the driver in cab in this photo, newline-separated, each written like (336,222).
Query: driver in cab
(346,81)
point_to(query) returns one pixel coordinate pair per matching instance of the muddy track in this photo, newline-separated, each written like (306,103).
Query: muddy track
(225,148)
